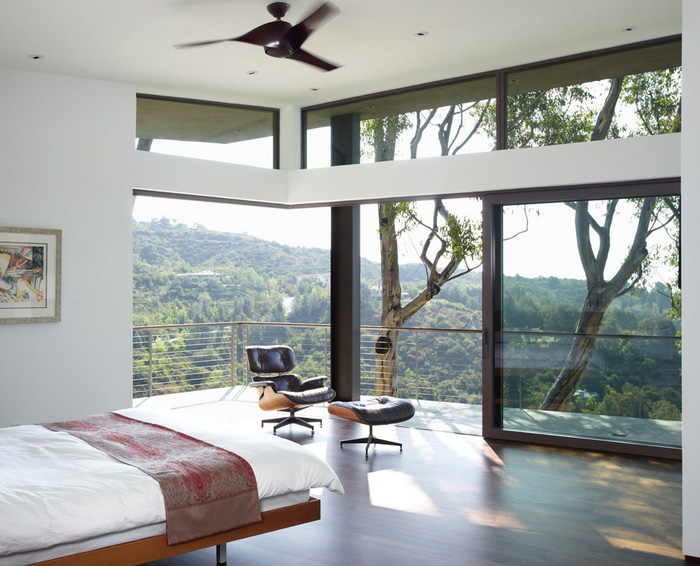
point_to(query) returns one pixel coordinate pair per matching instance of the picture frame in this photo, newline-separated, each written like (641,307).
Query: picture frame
(30,275)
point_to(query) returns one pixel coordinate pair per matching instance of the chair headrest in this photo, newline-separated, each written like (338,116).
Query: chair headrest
(270,359)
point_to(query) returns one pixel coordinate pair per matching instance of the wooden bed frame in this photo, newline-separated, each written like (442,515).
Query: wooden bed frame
(155,548)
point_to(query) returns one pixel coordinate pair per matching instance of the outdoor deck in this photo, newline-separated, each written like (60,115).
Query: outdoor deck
(437,416)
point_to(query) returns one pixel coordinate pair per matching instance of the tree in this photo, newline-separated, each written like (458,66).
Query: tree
(560,115)
(537,118)
(450,242)
(600,292)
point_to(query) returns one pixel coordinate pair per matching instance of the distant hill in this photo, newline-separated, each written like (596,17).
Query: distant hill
(178,248)
(182,269)
(188,275)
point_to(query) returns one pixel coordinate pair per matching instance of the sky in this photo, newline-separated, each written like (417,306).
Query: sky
(293,227)
(547,248)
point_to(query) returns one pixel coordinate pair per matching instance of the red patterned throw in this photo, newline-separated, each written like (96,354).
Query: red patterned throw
(206,489)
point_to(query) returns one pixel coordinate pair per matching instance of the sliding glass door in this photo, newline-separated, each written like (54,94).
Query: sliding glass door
(585,317)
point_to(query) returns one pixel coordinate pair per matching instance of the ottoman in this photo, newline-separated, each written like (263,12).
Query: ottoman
(375,411)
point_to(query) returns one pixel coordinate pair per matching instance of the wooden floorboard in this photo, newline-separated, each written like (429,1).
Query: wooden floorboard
(451,499)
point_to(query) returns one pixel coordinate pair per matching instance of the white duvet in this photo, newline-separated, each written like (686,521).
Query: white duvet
(55,488)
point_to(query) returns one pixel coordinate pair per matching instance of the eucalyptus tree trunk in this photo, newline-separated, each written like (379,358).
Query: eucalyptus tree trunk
(386,345)
(600,293)
(435,248)
(394,315)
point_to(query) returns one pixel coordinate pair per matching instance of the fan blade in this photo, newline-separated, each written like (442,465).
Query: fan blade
(266,35)
(306,57)
(300,32)
(198,43)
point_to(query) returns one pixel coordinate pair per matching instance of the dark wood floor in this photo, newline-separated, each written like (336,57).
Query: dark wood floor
(450,499)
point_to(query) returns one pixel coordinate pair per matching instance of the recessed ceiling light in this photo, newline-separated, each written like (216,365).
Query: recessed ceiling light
(252,73)
(421,33)
(630,28)
(36,57)
(314,89)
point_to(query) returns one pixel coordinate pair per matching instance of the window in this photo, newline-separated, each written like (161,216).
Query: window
(206,130)
(634,92)
(621,92)
(213,277)
(442,119)
(586,314)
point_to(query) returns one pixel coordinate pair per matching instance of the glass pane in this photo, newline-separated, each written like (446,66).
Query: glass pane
(629,93)
(432,353)
(590,341)
(444,119)
(210,278)
(218,132)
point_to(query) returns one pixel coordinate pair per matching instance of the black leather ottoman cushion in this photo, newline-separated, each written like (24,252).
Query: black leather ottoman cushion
(375,411)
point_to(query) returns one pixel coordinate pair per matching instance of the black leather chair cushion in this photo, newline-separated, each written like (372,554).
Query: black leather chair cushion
(279,383)
(271,359)
(377,411)
(311,397)
(299,393)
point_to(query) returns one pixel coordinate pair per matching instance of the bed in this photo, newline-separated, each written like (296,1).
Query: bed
(64,502)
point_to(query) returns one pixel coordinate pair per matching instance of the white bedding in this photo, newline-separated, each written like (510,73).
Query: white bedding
(56,489)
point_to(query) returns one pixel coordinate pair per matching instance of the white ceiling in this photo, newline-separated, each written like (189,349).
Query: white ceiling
(132,41)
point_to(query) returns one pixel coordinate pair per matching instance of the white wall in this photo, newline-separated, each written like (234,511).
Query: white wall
(585,163)
(202,178)
(653,157)
(690,236)
(65,162)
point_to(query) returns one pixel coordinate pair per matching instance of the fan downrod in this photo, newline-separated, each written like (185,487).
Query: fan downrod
(278,9)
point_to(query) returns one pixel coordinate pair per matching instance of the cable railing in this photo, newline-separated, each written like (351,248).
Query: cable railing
(632,375)
(432,364)
(627,375)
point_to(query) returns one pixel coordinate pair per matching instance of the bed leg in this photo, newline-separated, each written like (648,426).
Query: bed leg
(220,554)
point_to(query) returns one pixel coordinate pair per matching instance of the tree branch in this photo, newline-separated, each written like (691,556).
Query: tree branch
(607,113)
(475,128)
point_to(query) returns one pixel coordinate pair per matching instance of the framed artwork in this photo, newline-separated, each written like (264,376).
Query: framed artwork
(30,275)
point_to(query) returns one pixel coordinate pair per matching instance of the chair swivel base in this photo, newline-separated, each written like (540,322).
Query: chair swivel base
(292,419)
(369,440)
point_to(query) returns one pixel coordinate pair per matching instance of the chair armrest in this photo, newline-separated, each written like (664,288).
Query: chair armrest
(264,384)
(314,383)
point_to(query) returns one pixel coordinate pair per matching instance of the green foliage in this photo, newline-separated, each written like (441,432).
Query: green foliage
(463,237)
(555,116)
(380,135)
(448,367)
(649,104)
(656,99)
(402,216)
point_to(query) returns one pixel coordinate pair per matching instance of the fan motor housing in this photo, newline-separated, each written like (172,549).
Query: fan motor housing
(281,51)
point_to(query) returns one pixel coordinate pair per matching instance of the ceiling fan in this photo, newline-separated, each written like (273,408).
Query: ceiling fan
(283,40)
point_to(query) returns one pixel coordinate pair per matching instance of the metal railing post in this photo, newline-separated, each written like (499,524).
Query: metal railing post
(234,355)
(150,363)
(325,351)
(417,376)
(246,327)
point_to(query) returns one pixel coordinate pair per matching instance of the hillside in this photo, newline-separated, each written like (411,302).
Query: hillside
(193,275)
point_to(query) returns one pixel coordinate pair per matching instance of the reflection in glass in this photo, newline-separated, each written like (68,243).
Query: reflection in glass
(444,119)
(206,130)
(624,94)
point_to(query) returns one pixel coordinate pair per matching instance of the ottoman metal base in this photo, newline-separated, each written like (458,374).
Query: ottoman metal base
(371,439)
(375,411)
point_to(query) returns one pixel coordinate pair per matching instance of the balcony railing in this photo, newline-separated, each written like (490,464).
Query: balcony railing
(188,357)
(638,375)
